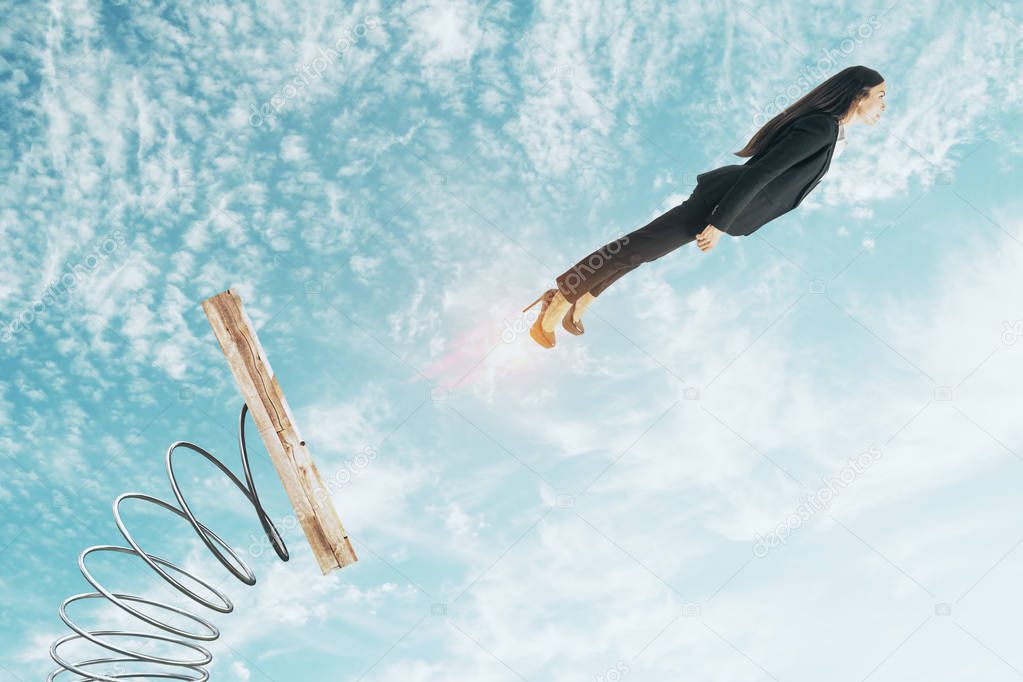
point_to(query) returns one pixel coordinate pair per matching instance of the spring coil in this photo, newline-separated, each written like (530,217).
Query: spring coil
(193,668)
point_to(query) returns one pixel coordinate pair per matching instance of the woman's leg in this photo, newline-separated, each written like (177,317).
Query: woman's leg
(660,236)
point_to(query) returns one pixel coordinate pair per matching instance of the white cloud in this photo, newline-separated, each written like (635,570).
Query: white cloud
(446,32)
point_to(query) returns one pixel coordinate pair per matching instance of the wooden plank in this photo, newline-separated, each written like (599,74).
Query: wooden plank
(276,426)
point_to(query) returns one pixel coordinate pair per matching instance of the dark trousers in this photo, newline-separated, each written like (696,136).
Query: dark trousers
(663,234)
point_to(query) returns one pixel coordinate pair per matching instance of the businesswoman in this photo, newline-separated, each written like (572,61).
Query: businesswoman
(788,156)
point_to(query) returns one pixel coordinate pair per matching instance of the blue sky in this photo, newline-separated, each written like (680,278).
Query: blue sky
(387,185)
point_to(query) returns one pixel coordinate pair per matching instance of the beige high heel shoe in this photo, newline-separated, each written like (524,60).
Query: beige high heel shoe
(570,324)
(545,339)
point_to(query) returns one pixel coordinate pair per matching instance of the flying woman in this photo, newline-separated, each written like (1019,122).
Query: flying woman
(788,157)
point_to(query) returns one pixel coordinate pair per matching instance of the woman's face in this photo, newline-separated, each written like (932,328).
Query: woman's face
(869,109)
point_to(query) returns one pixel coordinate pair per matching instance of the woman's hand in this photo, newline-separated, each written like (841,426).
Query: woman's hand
(708,238)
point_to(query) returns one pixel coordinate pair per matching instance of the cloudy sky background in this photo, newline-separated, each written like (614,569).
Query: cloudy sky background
(590,513)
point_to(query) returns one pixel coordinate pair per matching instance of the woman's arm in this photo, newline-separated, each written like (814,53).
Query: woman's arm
(805,136)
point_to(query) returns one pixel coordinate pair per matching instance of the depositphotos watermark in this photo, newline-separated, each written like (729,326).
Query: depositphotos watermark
(816,501)
(75,273)
(341,477)
(589,265)
(520,325)
(613,674)
(1011,332)
(309,72)
(830,59)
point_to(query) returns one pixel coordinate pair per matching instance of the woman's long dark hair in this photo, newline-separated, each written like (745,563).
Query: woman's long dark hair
(834,96)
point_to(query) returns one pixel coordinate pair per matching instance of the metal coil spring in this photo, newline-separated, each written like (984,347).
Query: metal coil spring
(193,668)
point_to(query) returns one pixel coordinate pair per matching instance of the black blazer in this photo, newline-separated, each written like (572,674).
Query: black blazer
(774,180)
